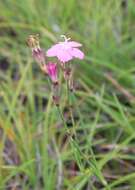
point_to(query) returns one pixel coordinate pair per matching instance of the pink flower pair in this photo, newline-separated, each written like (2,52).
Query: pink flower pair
(64,51)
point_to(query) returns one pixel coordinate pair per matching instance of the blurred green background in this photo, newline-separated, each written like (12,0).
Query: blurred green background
(35,152)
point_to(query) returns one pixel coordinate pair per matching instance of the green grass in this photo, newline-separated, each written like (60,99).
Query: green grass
(36,151)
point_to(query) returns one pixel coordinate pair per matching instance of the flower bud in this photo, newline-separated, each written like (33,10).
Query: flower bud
(52,72)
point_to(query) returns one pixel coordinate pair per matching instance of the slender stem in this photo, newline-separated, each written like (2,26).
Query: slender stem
(64,123)
(70,105)
(60,166)
(62,117)
(68,95)
(49,82)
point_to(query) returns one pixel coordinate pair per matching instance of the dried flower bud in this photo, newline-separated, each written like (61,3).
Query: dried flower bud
(37,53)
(33,41)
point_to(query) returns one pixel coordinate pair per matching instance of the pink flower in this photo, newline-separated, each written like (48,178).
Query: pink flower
(66,51)
(52,71)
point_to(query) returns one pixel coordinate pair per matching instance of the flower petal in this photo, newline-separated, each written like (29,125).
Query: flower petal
(53,50)
(64,56)
(74,44)
(77,53)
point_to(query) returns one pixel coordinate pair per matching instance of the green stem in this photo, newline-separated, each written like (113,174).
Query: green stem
(62,117)
(70,103)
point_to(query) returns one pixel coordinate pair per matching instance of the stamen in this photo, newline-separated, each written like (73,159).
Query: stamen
(65,38)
